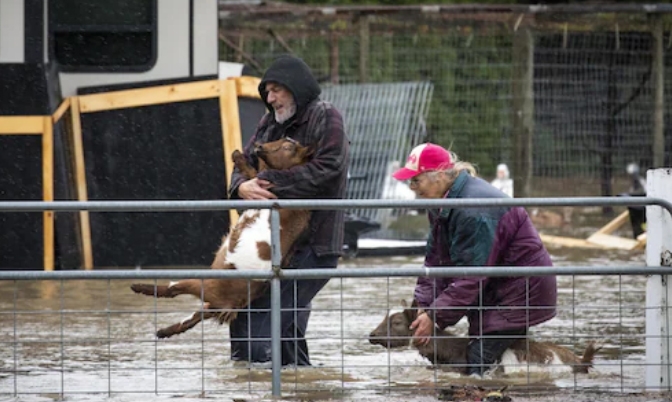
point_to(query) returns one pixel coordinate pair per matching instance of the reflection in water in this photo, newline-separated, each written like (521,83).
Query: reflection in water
(97,336)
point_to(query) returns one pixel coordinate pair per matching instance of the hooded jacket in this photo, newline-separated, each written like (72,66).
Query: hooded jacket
(295,75)
(318,124)
(485,237)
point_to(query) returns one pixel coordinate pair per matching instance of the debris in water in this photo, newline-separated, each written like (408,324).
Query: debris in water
(472,393)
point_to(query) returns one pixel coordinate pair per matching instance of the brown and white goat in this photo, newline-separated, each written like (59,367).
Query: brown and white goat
(247,246)
(448,350)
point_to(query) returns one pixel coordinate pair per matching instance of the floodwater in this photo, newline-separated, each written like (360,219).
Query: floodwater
(88,340)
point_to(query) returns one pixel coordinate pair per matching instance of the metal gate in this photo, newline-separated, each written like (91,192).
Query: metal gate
(12,371)
(383,122)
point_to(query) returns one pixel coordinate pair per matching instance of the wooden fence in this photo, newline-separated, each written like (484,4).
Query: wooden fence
(228,91)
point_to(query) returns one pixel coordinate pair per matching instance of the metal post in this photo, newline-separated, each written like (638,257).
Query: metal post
(276,303)
(658,289)
(658,91)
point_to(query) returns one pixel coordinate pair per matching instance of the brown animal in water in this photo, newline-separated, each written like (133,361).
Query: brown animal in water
(451,350)
(247,246)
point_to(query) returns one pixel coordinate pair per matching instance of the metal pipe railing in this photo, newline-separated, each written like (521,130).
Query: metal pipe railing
(322,204)
(315,273)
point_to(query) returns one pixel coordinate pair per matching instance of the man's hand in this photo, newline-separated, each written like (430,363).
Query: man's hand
(422,326)
(256,189)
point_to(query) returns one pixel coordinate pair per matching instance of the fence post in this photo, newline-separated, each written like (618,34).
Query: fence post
(48,191)
(364,48)
(658,289)
(522,110)
(658,92)
(334,56)
(276,304)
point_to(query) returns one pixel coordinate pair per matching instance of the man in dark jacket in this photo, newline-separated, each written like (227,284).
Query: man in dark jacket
(499,309)
(291,94)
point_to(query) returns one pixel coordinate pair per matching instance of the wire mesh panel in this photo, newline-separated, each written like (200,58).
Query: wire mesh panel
(383,123)
(79,339)
(593,98)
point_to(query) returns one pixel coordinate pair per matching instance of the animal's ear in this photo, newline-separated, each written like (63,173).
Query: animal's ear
(309,151)
(404,303)
(410,314)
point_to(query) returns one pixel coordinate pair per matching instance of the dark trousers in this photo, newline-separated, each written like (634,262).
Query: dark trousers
(484,352)
(637,216)
(295,300)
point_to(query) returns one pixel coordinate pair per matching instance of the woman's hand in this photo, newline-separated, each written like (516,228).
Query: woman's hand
(256,189)
(422,326)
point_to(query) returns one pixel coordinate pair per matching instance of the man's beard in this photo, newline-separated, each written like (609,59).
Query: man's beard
(286,113)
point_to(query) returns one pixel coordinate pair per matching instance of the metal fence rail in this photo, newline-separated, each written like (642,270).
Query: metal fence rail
(223,205)
(315,273)
(277,273)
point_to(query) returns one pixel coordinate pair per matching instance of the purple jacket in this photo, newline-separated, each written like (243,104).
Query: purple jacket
(501,236)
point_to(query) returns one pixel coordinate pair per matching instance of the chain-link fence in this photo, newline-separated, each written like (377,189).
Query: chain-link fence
(588,78)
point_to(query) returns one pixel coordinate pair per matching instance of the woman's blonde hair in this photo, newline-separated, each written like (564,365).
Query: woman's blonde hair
(462,165)
(455,170)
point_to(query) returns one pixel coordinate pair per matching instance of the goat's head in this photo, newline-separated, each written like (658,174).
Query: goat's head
(394,331)
(283,153)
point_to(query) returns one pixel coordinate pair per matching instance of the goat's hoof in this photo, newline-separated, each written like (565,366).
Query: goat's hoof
(164,333)
(143,289)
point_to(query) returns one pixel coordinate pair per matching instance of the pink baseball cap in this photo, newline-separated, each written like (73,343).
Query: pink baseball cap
(423,158)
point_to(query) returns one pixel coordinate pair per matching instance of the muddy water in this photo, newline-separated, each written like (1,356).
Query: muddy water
(85,337)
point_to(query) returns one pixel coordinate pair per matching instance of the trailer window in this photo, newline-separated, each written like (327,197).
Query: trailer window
(103,35)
